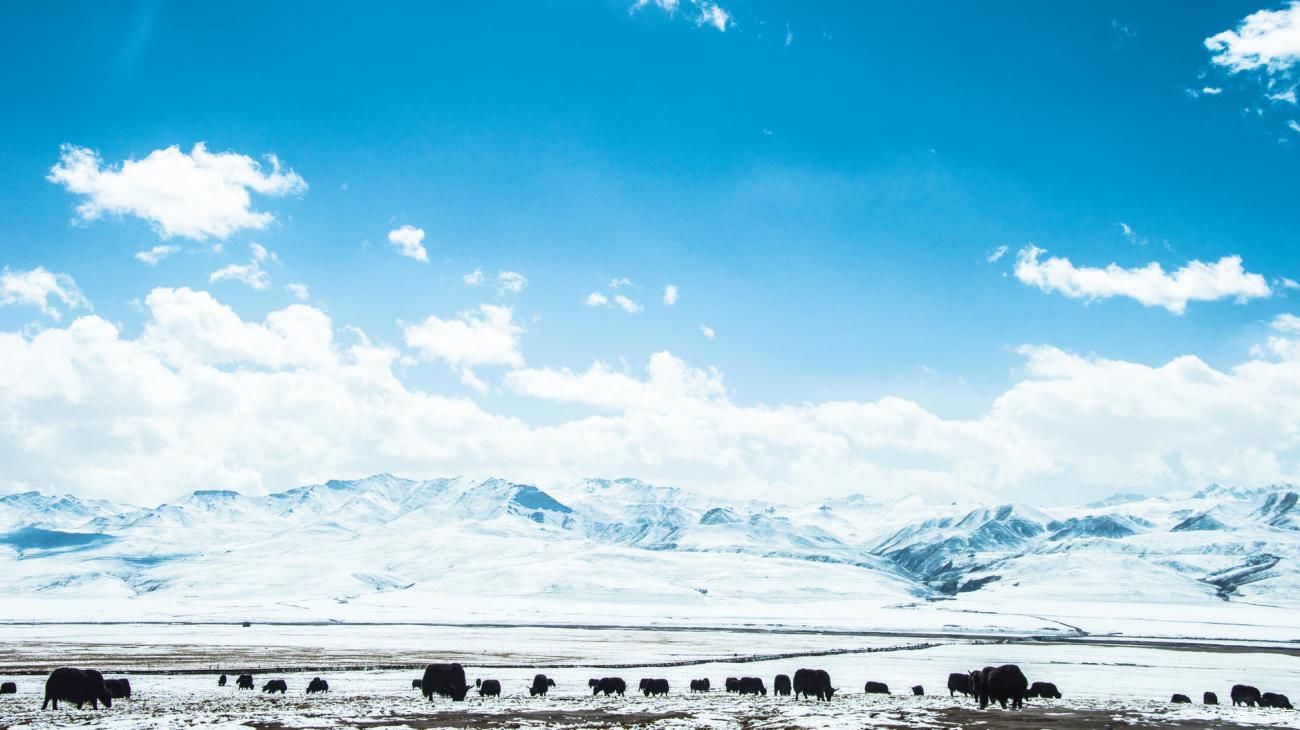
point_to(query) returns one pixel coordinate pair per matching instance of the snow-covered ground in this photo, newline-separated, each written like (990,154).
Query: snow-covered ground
(1100,683)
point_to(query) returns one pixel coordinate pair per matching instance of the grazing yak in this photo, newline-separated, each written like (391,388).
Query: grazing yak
(1046,690)
(447,680)
(245,681)
(1273,699)
(1181,700)
(732,684)
(876,688)
(608,685)
(1000,684)
(918,690)
(813,682)
(119,688)
(221,681)
(654,687)
(751,686)
(700,685)
(8,688)
(78,686)
(541,683)
(415,684)
(1209,698)
(781,685)
(1244,694)
(317,685)
(488,687)
(959,682)
(275,685)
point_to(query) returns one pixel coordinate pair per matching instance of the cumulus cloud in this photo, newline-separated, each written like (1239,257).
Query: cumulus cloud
(596,299)
(204,398)
(488,336)
(670,295)
(250,273)
(155,255)
(196,195)
(36,287)
(702,12)
(708,332)
(1268,41)
(1150,284)
(510,282)
(409,242)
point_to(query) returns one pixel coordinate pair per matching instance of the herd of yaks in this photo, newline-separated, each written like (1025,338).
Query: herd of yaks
(1005,685)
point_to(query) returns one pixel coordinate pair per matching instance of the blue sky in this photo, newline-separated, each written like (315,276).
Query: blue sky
(823,182)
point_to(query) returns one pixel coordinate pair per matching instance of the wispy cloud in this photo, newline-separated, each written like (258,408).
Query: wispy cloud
(473,278)
(996,254)
(1150,285)
(510,282)
(708,332)
(250,273)
(35,288)
(196,195)
(155,255)
(299,291)
(702,12)
(1264,44)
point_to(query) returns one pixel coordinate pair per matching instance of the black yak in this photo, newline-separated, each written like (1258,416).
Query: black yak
(1181,700)
(1046,690)
(1244,694)
(1272,699)
(654,687)
(541,683)
(1209,698)
(447,680)
(119,688)
(959,682)
(608,685)
(732,684)
(221,681)
(245,681)
(78,686)
(700,685)
(488,687)
(275,685)
(317,685)
(415,684)
(876,688)
(781,685)
(751,686)
(8,688)
(918,690)
(1000,684)
(813,682)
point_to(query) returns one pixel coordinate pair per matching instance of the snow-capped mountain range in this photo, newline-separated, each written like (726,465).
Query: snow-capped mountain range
(391,548)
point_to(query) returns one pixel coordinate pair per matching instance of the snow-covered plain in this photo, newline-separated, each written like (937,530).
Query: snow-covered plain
(1101,684)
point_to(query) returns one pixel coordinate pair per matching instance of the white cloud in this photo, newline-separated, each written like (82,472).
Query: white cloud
(1204,91)
(596,299)
(1287,96)
(670,295)
(35,287)
(708,332)
(1294,125)
(1150,285)
(627,305)
(203,398)
(250,273)
(198,195)
(511,282)
(1268,41)
(995,254)
(619,282)
(155,255)
(473,278)
(409,242)
(702,12)
(488,336)
(299,291)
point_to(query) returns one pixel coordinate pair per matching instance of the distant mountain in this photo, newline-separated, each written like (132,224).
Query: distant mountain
(401,546)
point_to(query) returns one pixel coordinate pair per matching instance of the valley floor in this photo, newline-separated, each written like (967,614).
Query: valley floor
(173,671)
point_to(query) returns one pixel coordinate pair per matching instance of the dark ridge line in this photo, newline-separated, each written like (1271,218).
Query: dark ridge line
(494,665)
